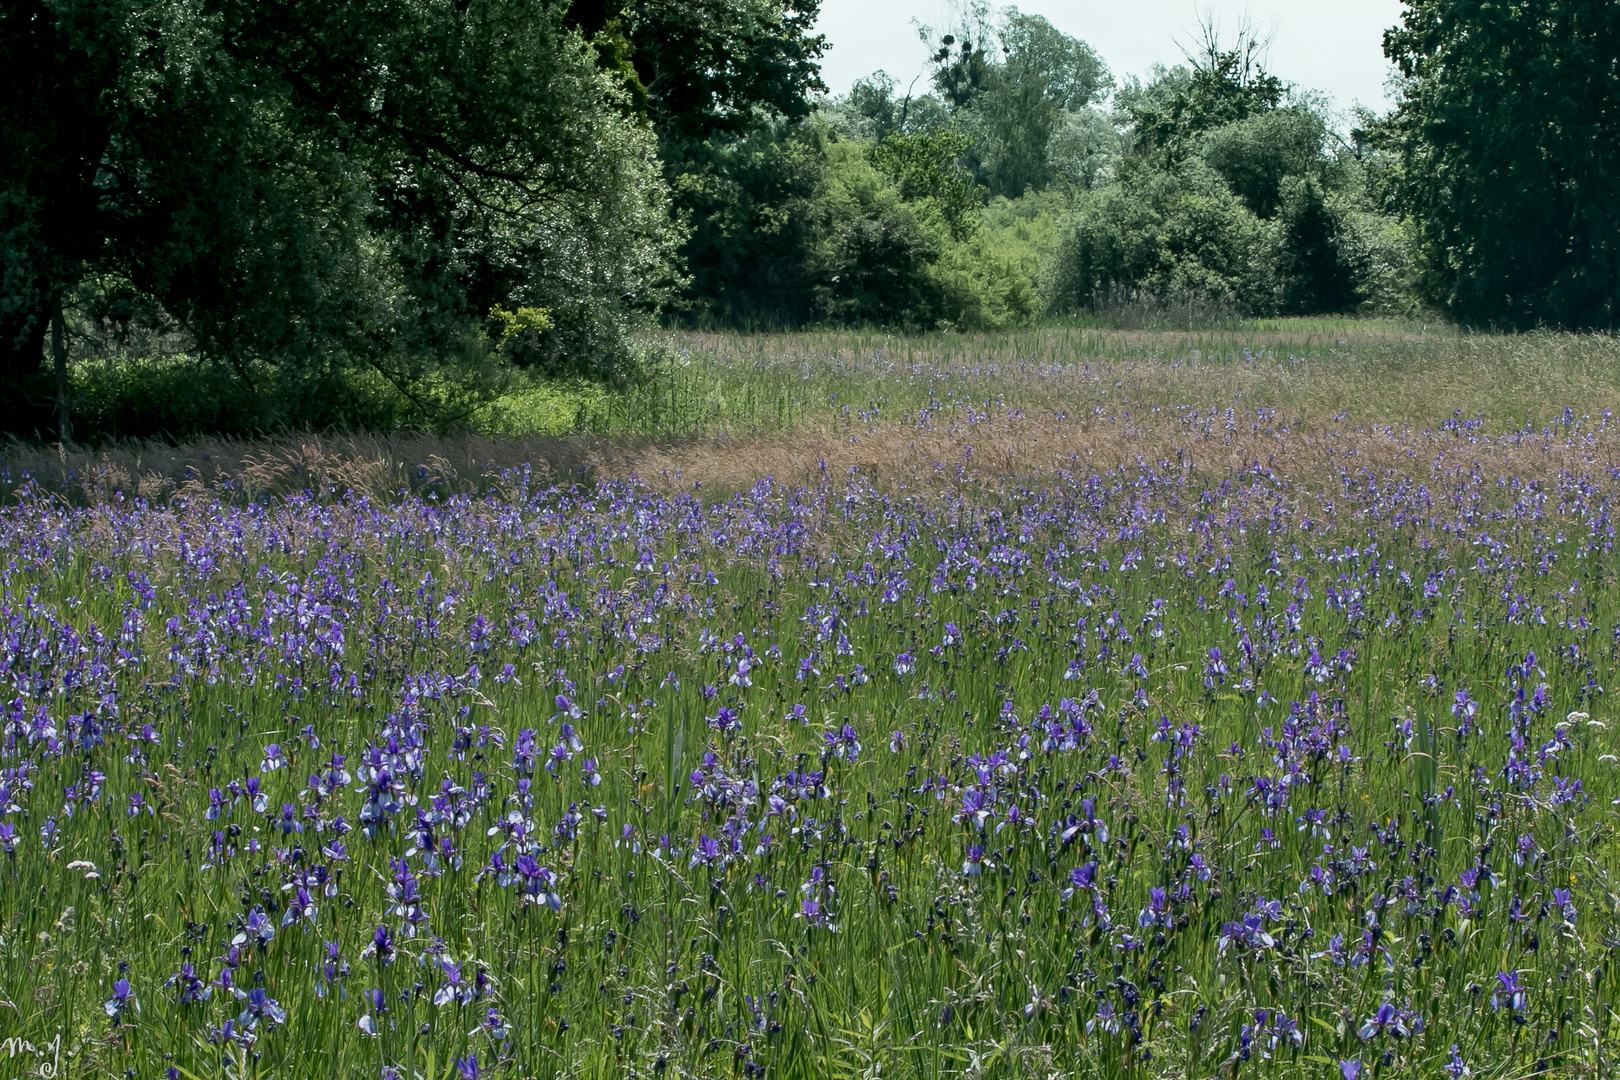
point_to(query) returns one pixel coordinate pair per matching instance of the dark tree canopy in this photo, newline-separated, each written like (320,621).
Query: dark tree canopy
(1509,137)
(727,85)
(721,66)
(317,183)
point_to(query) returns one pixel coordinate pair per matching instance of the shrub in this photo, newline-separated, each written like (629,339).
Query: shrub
(1165,231)
(876,250)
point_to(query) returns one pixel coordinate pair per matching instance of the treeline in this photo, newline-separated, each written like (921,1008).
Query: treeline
(1025,181)
(383,211)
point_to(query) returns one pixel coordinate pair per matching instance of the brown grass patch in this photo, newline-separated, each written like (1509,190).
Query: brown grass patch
(1008,447)
(1307,399)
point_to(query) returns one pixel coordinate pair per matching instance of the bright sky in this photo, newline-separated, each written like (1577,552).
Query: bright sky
(1335,46)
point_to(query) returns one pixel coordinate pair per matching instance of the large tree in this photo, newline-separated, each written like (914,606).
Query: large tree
(725,85)
(1225,84)
(1508,132)
(313,183)
(1014,84)
(720,67)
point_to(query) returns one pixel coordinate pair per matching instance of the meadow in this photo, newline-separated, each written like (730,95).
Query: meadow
(1082,701)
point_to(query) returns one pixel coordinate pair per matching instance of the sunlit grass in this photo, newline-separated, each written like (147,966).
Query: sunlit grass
(1375,371)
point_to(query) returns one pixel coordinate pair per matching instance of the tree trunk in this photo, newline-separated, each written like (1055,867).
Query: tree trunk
(64,421)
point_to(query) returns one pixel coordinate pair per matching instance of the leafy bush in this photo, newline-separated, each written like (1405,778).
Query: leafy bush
(182,396)
(981,289)
(1258,154)
(992,279)
(1166,231)
(872,263)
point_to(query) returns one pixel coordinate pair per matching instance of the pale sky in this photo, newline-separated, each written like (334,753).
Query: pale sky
(1335,47)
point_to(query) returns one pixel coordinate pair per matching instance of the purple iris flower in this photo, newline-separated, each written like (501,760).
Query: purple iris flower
(377,1004)
(1386,1019)
(122,1000)
(257,1006)
(1508,992)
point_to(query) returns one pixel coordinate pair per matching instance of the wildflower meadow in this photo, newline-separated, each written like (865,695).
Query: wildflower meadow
(1160,767)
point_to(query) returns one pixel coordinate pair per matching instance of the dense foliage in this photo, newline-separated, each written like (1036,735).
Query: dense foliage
(1508,133)
(1212,181)
(326,187)
(1235,189)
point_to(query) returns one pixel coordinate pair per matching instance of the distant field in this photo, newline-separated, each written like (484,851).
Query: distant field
(1378,371)
(731,408)
(1097,703)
